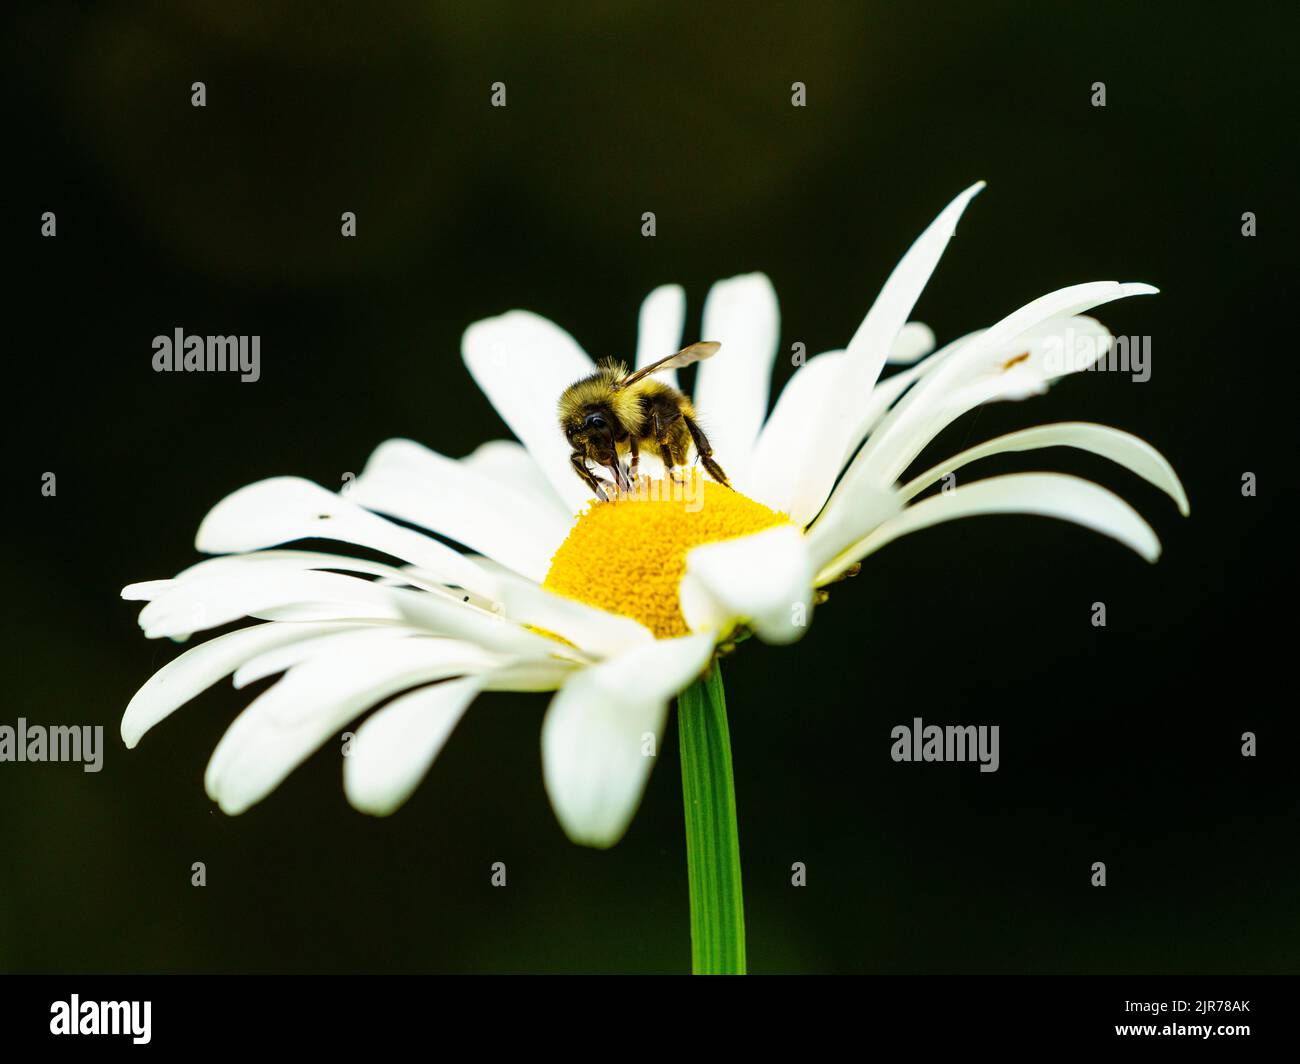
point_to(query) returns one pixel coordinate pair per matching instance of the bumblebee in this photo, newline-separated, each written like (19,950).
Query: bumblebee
(614,411)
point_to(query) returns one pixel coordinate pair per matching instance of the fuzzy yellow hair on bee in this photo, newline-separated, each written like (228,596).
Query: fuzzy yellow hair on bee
(613,413)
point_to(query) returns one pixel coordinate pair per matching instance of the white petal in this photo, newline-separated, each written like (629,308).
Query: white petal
(902,422)
(732,387)
(195,604)
(280,591)
(411,482)
(198,603)
(888,391)
(1046,494)
(852,517)
(353,640)
(594,630)
(268,562)
(510,467)
(281,728)
(595,734)
(326,611)
(1061,304)
(1004,362)
(490,629)
(531,674)
(283,509)
(523,363)
(764,580)
(659,328)
(914,340)
(1027,342)
(868,350)
(199,668)
(1121,447)
(877,334)
(146,590)
(393,749)
(786,445)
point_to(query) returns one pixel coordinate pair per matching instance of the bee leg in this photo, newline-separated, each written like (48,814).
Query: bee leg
(579,462)
(706,452)
(674,457)
(633,457)
(665,430)
(620,483)
(619,479)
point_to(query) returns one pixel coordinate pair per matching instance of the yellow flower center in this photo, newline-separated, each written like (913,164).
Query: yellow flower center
(627,556)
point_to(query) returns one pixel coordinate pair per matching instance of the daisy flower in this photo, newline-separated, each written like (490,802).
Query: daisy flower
(616,607)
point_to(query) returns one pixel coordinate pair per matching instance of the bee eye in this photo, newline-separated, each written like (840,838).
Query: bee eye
(593,421)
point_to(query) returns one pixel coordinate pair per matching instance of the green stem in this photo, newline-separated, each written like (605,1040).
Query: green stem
(712,843)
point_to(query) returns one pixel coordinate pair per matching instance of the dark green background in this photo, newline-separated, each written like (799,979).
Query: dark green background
(1120,745)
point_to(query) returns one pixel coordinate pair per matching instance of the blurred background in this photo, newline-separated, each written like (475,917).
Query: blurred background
(1119,744)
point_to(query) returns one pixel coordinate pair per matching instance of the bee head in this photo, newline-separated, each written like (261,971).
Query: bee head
(592,431)
(588,419)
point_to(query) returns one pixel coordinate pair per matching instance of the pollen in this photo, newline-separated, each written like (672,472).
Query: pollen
(627,556)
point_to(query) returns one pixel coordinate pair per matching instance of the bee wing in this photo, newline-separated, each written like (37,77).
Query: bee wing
(684,357)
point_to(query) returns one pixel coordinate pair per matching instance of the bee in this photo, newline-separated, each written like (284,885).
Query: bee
(614,410)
